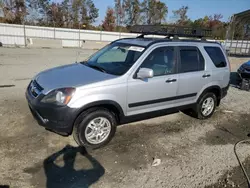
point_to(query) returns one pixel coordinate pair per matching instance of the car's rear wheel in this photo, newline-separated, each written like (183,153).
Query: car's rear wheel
(95,128)
(206,106)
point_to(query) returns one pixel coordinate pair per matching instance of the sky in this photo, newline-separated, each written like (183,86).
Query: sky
(197,8)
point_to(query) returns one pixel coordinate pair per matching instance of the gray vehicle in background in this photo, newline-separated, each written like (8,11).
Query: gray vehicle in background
(129,80)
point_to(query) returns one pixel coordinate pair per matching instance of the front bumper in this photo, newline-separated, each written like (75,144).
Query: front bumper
(59,119)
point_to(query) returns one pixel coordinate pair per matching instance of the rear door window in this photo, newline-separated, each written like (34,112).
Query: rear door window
(191,59)
(216,56)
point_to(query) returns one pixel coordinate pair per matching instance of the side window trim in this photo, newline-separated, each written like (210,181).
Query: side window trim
(175,56)
(200,55)
(201,59)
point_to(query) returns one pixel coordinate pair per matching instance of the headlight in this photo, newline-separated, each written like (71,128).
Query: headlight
(241,68)
(59,96)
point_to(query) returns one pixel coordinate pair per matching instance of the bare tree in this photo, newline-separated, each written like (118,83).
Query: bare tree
(132,9)
(181,15)
(14,10)
(119,12)
(154,11)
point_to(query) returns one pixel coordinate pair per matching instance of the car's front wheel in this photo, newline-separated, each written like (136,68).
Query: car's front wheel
(94,128)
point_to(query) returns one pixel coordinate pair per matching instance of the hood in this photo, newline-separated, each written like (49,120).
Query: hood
(246,65)
(72,75)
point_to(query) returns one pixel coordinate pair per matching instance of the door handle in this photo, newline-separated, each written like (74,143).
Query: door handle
(206,75)
(171,80)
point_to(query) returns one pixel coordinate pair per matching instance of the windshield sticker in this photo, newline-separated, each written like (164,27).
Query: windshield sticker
(136,48)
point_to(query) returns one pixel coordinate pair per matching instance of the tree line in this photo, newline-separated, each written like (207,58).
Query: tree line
(82,14)
(68,13)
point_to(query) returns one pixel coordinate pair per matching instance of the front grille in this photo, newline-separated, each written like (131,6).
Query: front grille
(35,88)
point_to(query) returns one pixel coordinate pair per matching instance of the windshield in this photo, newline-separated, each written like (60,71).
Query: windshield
(116,58)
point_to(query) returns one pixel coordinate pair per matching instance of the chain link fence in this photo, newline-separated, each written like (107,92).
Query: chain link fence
(24,35)
(238,47)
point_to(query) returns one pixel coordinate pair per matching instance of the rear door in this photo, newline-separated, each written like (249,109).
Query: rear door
(220,66)
(193,75)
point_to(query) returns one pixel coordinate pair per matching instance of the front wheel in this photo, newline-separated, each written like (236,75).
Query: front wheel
(95,128)
(206,106)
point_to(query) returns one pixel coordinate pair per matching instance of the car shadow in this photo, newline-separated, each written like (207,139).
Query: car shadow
(66,176)
(228,132)
(4,186)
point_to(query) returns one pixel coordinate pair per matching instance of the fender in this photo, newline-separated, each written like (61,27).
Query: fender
(213,87)
(102,103)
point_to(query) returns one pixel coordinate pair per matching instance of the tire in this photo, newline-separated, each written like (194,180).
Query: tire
(198,111)
(82,127)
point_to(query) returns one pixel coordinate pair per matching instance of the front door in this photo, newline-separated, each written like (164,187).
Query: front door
(155,93)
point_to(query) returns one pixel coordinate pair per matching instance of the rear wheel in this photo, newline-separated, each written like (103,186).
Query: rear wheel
(206,106)
(95,128)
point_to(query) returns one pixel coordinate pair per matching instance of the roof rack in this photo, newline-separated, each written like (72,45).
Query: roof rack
(171,31)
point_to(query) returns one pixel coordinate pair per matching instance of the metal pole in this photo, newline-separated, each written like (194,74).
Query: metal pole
(233,25)
(226,40)
(241,47)
(24,34)
(101,35)
(230,30)
(79,36)
(242,43)
(236,46)
(54,31)
(248,48)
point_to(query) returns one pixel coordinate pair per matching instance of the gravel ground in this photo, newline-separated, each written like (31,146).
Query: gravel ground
(193,153)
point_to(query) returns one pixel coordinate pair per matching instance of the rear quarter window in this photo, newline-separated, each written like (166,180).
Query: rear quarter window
(216,56)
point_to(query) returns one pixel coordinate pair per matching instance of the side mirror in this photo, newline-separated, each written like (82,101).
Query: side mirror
(145,73)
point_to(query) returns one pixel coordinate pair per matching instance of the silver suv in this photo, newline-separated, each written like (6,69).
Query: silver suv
(129,80)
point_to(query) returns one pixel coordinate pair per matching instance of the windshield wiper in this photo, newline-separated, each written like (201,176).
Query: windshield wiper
(95,67)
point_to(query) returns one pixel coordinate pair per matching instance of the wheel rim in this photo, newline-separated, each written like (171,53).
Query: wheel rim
(207,106)
(98,130)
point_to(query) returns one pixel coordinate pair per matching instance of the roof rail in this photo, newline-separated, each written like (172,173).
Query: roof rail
(170,31)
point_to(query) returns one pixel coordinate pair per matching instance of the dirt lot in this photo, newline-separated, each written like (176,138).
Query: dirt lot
(193,153)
